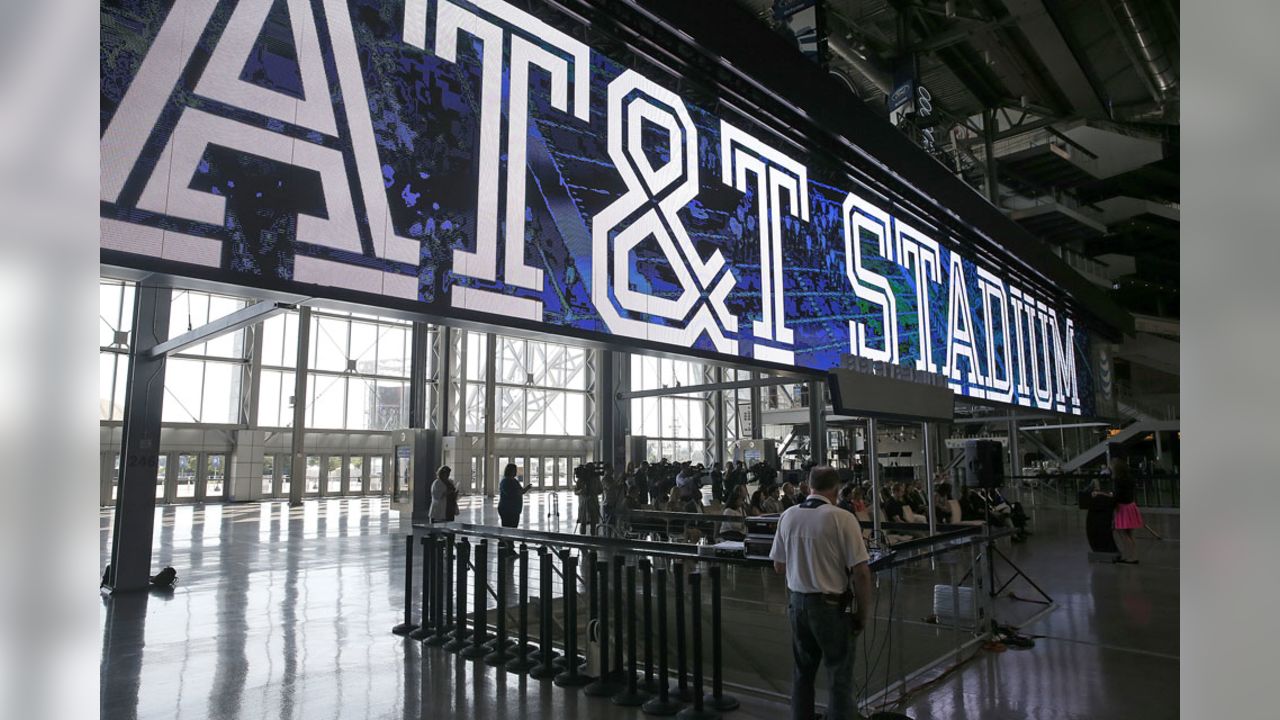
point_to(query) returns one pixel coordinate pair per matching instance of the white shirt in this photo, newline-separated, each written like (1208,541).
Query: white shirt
(818,545)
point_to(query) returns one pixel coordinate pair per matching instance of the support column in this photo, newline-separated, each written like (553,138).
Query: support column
(298,469)
(717,404)
(614,375)
(926,436)
(490,464)
(988,145)
(419,354)
(817,423)
(131,533)
(757,409)
(1015,456)
(444,391)
(244,471)
(873,469)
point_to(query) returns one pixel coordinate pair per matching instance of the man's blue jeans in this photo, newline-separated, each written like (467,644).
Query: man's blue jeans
(821,634)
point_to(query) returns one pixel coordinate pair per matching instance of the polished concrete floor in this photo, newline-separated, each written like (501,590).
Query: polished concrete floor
(285,613)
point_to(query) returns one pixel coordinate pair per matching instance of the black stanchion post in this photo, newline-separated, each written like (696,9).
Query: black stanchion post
(424,627)
(662,704)
(443,598)
(717,700)
(618,621)
(571,677)
(407,626)
(698,711)
(459,637)
(521,662)
(646,591)
(631,696)
(605,685)
(479,605)
(682,661)
(546,654)
(500,645)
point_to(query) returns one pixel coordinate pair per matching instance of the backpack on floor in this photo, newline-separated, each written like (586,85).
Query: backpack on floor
(166,578)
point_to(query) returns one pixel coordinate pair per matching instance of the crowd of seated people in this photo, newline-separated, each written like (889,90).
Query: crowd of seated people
(681,487)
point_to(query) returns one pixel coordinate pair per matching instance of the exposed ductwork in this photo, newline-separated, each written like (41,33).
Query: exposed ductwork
(1150,50)
(864,65)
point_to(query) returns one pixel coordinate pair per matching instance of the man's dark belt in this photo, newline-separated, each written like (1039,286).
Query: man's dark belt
(843,600)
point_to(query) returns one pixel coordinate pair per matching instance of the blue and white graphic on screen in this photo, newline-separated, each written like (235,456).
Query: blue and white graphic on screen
(475,159)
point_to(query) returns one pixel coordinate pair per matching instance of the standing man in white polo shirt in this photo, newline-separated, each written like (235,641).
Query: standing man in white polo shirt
(819,548)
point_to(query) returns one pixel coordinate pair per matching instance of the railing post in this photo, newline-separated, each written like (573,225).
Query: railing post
(407,626)
(546,654)
(717,700)
(459,637)
(479,605)
(501,644)
(698,711)
(443,598)
(619,641)
(631,696)
(646,585)
(682,661)
(662,704)
(425,627)
(605,685)
(521,662)
(571,677)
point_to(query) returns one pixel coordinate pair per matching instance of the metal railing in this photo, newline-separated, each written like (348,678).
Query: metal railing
(618,642)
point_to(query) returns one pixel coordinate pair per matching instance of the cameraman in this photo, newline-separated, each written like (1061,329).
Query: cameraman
(819,548)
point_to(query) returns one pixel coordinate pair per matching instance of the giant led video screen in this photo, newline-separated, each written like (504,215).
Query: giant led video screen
(475,160)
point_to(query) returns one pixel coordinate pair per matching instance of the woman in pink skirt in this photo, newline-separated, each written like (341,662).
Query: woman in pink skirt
(1126,518)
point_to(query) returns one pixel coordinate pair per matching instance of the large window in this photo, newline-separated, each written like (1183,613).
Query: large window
(202,383)
(115,323)
(358,377)
(541,388)
(675,425)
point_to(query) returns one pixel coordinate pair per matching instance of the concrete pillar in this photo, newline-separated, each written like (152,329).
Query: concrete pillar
(297,445)
(817,423)
(926,437)
(144,401)
(244,474)
(489,465)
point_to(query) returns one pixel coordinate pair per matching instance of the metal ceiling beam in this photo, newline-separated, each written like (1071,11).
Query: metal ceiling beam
(241,318)
(961,34)
(1055,51)
(711,387)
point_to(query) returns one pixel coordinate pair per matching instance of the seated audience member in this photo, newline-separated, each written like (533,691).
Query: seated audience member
(802,492)
(771,504)
(736,530)
(859,499)
(942,502)
(846,497)
(892,504)
(972,506)
(915,499)
(788,497)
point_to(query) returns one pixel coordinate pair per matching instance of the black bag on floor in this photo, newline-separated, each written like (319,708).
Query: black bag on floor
(166,578)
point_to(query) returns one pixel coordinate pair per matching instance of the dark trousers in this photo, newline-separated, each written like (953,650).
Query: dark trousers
(509,521)
(821,634)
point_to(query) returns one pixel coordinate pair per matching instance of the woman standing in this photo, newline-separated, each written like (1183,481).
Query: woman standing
(1126,518)
(444,496)
(511,496)
(588,489)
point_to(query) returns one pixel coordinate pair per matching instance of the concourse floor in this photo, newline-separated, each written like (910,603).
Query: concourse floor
(285,613)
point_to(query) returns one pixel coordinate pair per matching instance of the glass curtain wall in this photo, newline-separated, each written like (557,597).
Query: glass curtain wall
(675,425)
(540,387)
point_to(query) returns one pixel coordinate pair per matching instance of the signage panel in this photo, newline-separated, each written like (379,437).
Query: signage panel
(477,160)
